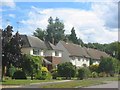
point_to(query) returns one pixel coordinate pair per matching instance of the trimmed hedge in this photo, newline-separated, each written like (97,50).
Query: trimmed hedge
(19,74)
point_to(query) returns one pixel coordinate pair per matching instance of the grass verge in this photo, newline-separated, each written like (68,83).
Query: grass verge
(23,82)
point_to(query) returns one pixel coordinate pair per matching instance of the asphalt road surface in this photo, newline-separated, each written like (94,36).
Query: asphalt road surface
(110,84)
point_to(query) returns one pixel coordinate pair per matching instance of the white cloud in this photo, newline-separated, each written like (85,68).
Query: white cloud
(9,3)
(12,15)
(90,26)
(107,12)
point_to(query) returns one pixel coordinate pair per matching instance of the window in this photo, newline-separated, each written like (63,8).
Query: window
(73,58)
(56,53)
(36,51)
(79,58)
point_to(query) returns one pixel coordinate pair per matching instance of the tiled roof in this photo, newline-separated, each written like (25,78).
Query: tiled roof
(75,50)
(96,54)
(34,42)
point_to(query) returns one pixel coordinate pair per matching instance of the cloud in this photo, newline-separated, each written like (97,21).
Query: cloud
(91,26)
(8,3)
(12,15)
(105,12)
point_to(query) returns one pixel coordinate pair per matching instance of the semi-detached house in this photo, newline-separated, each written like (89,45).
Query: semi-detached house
(79,56)
(36,47)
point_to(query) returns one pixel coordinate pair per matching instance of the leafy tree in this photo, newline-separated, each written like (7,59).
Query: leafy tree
(55,30)
(11,49)
(73,36)
(66,70)
(41,34)
(108,65)
(33,64)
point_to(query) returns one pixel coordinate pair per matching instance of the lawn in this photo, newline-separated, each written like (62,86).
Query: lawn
(23,82)
(70,84)
(80,83)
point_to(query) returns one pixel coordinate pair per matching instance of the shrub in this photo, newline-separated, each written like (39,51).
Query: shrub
(43,74)
(19,74)
(54,74)
(12,70)
(94,68)
(102,74)
(83,73)
(94,74)
(67,70)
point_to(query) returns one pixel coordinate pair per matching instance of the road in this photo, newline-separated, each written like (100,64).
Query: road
(109,84)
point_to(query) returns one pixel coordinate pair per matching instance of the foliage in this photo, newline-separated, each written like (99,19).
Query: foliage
(73,36)
(40,33)
(11,49)
(33,64)
(55,30)
(94,74)
(94,68)
(54,74)
(102,74)
(108,65)
(43,74)
(83,73)
(12,70)
(19,74)
(66,70)
(44,69)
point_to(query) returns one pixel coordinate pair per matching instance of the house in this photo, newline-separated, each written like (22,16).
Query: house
(79,56)
(95,55)
(36,47)
(74,53)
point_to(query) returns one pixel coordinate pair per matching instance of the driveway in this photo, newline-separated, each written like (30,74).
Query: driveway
(109,84)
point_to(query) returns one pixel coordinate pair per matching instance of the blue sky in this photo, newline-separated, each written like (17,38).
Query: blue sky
(24,7)
(94,22)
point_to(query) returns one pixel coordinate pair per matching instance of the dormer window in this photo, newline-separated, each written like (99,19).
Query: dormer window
(36,51)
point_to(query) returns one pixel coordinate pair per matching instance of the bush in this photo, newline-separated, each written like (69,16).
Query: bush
(94,68)
(54,74)
(67,70)
(83,73)
(102,74)
(94,74)
(12,70)
(43,74)
(19,74)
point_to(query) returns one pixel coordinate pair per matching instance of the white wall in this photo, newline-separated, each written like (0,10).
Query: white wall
(79,61)
(96,62)
(27,51)
(30,51)
(52,53)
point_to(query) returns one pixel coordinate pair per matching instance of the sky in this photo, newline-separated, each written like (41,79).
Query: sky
(95,22)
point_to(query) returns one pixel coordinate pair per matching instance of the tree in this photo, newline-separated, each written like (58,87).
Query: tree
(55,30)
(11,49)
(108,65)
(73,36)
(41,34)
(66,70)
(33,65)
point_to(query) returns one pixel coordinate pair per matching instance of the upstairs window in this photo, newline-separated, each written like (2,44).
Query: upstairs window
(36,51)
(56,53)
